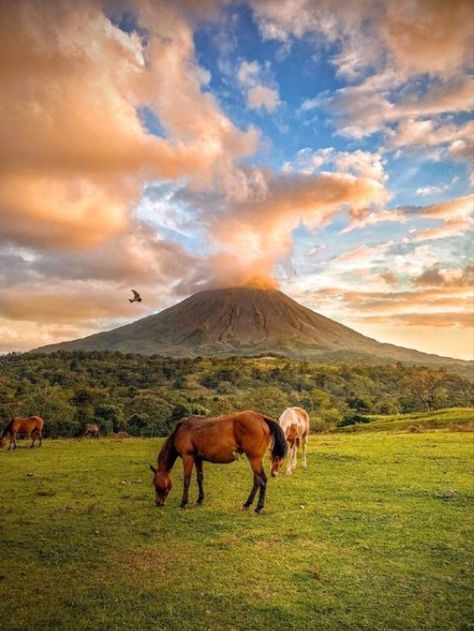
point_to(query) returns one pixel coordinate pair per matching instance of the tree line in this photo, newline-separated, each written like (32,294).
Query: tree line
(146,395)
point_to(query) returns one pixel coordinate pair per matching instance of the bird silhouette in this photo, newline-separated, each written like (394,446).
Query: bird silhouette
(136,297)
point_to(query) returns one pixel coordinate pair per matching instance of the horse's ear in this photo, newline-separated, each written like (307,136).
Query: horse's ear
(152,468)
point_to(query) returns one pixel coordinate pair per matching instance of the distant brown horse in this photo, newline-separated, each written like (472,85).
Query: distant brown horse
(91,429)
(32,426)
(221,440)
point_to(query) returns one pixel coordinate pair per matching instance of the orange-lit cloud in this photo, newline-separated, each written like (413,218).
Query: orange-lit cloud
(71,136)
(417,36)
(456,215)
(429,36)
(257,233)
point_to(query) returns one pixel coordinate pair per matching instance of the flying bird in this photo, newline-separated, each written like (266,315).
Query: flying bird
(136,297)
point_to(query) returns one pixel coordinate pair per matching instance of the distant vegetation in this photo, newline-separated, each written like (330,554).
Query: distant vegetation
(145,395)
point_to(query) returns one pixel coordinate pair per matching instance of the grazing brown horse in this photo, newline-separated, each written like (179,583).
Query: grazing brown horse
(91,429)
(221,440)
(32,426)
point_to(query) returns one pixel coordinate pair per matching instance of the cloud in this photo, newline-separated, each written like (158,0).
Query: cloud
(71,84)
(456,215)
(427,133)
(436,277)
(368,107)
(366,254)
(413,36)
(261,96)
(429,36)
(258,232)
(360,163)
(446,319)
(259,87)
(425,191)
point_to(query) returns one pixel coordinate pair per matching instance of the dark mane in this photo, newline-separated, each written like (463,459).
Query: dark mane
(7,429)
(168,453)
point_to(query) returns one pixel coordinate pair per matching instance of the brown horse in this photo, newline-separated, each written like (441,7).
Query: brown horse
(91,429)
(32,426)
(221,440)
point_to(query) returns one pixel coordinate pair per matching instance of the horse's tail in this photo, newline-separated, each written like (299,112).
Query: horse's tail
(279,448)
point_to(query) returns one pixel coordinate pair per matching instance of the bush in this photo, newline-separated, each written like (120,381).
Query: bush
(326,419)
(64,427)
(352,418)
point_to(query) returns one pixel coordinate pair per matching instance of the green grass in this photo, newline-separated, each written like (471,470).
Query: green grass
(374,535)
(449,418)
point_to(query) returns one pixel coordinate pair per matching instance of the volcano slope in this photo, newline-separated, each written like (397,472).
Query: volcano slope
(245,321)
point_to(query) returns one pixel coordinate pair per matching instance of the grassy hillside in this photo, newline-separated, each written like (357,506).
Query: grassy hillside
(451,418)
(376,534)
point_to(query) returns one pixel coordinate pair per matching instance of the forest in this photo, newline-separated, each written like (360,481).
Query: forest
(146,395)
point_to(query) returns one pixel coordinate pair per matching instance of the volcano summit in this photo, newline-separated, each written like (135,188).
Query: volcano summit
(244,321)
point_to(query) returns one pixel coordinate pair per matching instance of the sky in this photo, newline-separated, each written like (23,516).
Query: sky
(323,147)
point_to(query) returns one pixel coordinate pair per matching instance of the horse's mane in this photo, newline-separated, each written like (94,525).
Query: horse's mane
(168,453)
(7,429)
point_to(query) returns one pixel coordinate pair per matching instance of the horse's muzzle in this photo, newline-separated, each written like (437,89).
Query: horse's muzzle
(160,503)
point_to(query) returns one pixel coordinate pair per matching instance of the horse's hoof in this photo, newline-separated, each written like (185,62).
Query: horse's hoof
(182,505)
(260,510)
(245,507)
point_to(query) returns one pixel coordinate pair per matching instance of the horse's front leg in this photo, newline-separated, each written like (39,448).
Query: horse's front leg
(33,438)
(295,456)
(200,480)
(188,462)
(12,441)
(291,456)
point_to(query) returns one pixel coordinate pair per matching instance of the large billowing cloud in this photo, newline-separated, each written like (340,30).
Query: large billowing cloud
(101,99)
(415,36)
(71,85)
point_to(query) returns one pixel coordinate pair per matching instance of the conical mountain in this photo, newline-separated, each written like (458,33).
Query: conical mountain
(243,321)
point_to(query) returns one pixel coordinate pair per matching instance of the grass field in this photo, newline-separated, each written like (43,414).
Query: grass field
(435,419)
(376,534)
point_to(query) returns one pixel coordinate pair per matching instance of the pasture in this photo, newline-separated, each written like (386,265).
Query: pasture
(376,534)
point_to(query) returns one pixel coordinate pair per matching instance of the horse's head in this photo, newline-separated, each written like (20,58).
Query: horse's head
(276,465)
(3,442)
(162,483)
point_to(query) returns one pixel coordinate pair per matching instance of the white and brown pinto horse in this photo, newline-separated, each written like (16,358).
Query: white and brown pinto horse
(295,423)
(32,426)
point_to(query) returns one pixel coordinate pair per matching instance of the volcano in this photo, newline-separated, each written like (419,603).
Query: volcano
(244,321)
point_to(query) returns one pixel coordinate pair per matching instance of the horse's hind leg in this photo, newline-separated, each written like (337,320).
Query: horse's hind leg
(305,445)
(200,480)
(253,492)
(33,438)
(261,479)
(40,435)
(188,462)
